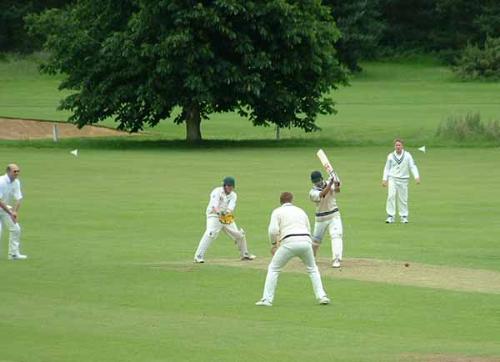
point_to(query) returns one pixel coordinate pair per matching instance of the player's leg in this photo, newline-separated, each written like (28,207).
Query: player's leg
(318,234)
(403,200)
(390,206)
(336,233)
(14,238)
(305,253)
(279,260)
(238,235)
(213,228)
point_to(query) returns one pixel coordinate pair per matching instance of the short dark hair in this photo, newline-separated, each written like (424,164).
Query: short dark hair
(286,197)
(400,140)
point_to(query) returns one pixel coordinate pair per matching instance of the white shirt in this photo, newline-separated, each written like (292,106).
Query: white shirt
(288,219)
(323,204)
(221,201)
(400,166)
(9,190)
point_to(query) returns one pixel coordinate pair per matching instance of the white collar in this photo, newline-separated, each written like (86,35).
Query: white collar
(401,155)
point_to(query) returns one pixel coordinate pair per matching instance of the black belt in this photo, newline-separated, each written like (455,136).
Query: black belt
(290,235)
(327,212)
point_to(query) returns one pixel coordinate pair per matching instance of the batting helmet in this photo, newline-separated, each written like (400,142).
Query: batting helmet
(228,181)
(316,176)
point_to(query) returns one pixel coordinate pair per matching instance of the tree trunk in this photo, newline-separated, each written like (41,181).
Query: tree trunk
(193,122)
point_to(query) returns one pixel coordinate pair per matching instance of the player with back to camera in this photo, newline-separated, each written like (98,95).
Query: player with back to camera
(220,217)
(327,217)
(10,202)
(289,233)
(396,178)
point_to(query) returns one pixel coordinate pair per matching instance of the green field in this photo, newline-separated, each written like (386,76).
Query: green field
(111,236)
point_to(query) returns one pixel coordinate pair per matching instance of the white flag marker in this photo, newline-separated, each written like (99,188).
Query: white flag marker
(74,153)
(422,149)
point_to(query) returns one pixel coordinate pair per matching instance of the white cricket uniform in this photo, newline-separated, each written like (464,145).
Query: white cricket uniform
(10,192)
(223,202)
(397,173)
(290,227)
(327,217)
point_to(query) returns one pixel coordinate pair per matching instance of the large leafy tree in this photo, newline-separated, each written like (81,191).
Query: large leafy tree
(137,61)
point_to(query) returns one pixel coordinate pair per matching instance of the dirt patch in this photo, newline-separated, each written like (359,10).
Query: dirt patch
(382,271)
(28,129)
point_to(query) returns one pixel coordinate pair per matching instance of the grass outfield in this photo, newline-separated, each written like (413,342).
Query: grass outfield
(408,99)
(111,235)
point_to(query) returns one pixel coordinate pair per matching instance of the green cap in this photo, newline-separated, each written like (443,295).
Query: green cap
(316,176)
(229,181)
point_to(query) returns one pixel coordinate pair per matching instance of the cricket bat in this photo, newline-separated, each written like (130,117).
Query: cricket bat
(327,165)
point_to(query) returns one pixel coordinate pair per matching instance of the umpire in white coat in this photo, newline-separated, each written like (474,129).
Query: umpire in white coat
(396,177)
(290,235)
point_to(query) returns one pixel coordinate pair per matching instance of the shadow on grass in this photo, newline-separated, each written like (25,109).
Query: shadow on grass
(156,143)
(152,143)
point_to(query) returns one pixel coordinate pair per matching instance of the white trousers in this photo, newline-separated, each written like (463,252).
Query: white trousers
(14,232)
(296,246)
(334,227)
(397,193)
(214,226)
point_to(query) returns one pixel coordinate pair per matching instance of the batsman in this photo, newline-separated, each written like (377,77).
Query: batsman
(220,217)
(323,194)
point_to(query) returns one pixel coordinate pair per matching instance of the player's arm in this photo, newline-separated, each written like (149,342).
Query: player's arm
(327,188)
(18,196)
(4,207)
(214,202)
(336,187)
(274,231)
(414,169)
(11,212)
(387,168)
(232,204)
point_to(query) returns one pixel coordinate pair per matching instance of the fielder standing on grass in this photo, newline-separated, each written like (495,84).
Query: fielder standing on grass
(290,235)
(396,177)
(323,194)
(220,217)
(10,202)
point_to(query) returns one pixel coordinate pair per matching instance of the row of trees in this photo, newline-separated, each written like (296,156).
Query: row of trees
(369,28)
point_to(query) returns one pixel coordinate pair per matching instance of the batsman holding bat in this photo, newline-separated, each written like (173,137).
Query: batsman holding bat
(220,217)
(323,194)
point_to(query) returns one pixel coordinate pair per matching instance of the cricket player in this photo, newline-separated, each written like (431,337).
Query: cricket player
(220,217)
(10,202)
(323,194)
(396,176)
(290,235)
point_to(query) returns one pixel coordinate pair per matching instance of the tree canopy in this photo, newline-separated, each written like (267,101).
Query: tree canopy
(138,60)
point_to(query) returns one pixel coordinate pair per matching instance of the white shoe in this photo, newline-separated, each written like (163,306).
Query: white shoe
(404,219)
(17,257)
(324,300)
(248,256)
(264,303)
(389,220)
(198,260)
(336,263)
